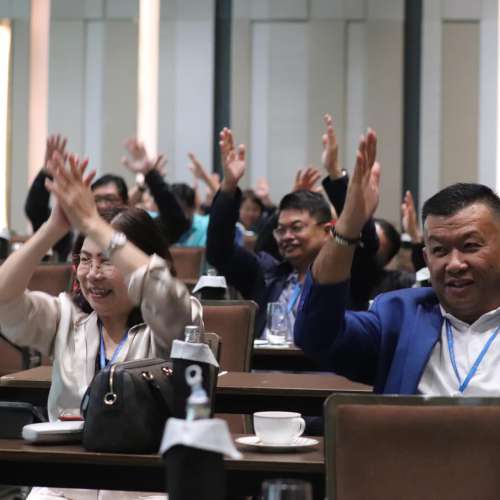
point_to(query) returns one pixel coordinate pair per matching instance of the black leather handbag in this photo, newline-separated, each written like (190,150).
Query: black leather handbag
(126,406)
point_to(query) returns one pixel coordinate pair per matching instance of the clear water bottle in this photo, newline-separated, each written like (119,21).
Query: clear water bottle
(192,334)
(198,404)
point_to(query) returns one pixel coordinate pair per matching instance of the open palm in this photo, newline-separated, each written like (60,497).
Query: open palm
(233,159)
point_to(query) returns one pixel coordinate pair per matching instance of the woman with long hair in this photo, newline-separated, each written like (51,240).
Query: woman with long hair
(126,304)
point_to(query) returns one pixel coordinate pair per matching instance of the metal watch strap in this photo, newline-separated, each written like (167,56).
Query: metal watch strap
(118,239)
(343,240)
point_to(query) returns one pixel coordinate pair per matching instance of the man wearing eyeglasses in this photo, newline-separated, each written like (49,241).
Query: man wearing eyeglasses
(304,226)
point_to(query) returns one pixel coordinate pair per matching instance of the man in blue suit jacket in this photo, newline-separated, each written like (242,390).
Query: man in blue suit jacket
(439,340)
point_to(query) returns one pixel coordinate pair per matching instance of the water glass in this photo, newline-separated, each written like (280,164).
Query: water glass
(286,489)
(277,323)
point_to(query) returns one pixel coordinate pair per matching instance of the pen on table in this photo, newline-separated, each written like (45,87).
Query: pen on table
(222,373)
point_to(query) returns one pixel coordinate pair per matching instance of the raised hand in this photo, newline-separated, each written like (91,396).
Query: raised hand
(329,157)
(196,167)
(363,190)
(199,172)
(138,160)
(55,142)
(263,192)
(307,179)
(233,160)
(409,219)
(71,188)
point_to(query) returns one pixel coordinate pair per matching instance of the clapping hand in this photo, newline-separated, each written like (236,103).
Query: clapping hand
(71,188)
(233,160)
(55,143)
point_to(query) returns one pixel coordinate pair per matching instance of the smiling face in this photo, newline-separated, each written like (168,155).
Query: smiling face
(462,252)
(250,213)
(101,283)
(300,236)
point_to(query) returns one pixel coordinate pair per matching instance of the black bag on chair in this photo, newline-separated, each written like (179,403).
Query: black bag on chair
(126,406)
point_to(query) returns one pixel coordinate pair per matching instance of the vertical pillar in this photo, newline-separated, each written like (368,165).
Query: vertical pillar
(147,112)
(39,84)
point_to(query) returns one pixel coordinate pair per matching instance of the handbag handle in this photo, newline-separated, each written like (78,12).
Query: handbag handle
(149,377)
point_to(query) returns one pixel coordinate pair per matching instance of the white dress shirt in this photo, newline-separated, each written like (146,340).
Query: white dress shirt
(439,378)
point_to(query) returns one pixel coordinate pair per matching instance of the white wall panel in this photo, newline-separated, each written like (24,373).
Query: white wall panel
(430,106)
(384,100)
(355,91)
(19,124)
(194,49)
(326,82)
(260,113)
(93,98)
(460,75)
(488,82)
(288,105)
(66,81)
(119,93)
(338,9)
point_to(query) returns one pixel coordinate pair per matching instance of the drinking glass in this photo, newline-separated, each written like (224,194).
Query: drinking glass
(286,489)
(277,323)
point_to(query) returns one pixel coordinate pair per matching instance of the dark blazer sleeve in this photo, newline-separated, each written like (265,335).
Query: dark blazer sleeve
(172,216)
(240,266)
(364,264)
(37,210)
(346,342)
(36,206)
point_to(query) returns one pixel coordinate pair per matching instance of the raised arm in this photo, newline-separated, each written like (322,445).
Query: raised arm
(17,270)
(72,191)
(240,266)
(199,172)
(172,216)
(333,264)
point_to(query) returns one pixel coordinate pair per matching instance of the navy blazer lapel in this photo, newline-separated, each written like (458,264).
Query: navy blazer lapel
(425,334)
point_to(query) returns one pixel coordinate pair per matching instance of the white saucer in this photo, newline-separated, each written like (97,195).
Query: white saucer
(301,443)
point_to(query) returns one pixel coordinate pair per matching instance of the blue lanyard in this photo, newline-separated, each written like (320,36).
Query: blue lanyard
(463,385)
(102,348)
(293,297)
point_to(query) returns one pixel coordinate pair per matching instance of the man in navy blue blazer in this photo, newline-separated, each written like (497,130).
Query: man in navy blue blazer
(436,341)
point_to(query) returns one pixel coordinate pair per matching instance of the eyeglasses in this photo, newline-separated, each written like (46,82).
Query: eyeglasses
(108,199)
(296,228)
(84,263)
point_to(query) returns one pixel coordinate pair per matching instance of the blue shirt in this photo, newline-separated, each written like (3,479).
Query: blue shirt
(196,235)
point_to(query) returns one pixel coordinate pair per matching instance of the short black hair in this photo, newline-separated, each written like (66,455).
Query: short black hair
(118,181)
(249,194)
(185,193)
(454,198)
(310,201)
(393,237)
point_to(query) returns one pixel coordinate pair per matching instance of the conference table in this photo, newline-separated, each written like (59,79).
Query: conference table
(71,466)
(285,358)
(237,392)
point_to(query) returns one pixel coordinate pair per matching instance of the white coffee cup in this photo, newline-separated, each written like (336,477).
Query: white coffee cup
(278,427)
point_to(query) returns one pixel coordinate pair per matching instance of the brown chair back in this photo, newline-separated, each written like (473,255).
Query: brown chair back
(188,262)
(51,278)
(11,358)
(392,447)
(213,341)
(233,321)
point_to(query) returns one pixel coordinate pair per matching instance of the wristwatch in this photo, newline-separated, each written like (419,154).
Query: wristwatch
(118,240)
(343,240)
